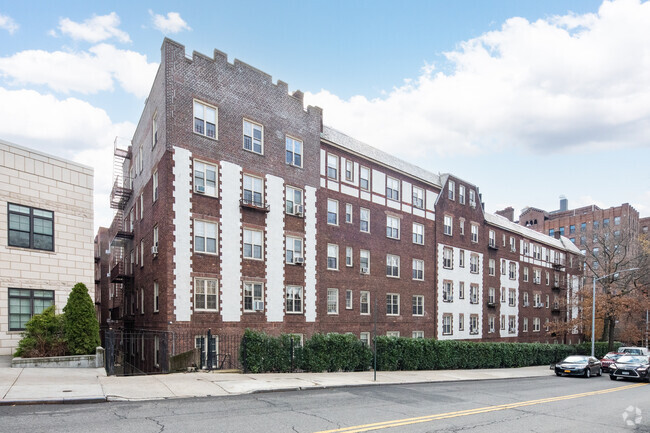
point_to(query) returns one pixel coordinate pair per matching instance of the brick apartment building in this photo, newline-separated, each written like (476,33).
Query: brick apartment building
(236,207)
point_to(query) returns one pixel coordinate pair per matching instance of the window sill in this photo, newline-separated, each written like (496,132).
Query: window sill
(253,152)
(31,250)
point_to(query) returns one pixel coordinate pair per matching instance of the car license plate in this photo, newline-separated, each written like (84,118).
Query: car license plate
(567,371)
(625,372)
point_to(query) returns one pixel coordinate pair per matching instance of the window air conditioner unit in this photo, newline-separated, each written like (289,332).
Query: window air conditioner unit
(297,209)
(258,305)
(199,189)
(364,270)
(298,260)
(154,250)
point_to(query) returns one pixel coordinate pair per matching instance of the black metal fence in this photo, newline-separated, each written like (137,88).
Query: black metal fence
(137,352)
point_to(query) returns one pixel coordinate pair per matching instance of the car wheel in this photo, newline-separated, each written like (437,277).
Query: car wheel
(587,372)
(600,372)
(558,374)
(612,377)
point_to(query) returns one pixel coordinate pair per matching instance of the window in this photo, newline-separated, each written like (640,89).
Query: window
(617,221)
(349,170)
(141,206)
(348,213)
(503,267)
(418,233)
(513,247)
(294,249)
(461,290)
(156,350)
(503,295)
(492,240)
(448,222)
(418,269)
(491,324)
(154,182)
(141,252)
(31,228)
(537,276)
(140,159)
(332,212)
(348,299)
(293,201)
(332,301)
(447,258)
(473,263)
(365,338)
(392,334)
(205,237)
(491,267)
(332,166)
(294,151)
(418,197)
(547,304)
(348,256)
(536,324)
(537,300)
(253,137)
(332,256)
(461,321)
(447,291)
(446,324)
(596,225)
(392,189)
(253,240)
(473,294)
(503,322)
(294,299)
(525,274)
(473,324)
(155,236)
(491,296)
(24,303)
(392,227)
(525,324)
(572,229)
(205,120)
(472,198)
(364,178)
(461,194)
(548,278)
(392,304)
(512,272)
(418,305)
(451,190)
(461,258)
(461,226)
(364,302)
(205,294)
(474,233)
(253,191)
(154,130)
(364,261)
(392,265)
(512,297)
(156,297)
(253,297)
(417,334)
(583,227)
(606,222)
(364,220)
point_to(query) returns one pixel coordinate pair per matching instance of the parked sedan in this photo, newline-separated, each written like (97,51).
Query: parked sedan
(631,367)
(609,360)
(578,365)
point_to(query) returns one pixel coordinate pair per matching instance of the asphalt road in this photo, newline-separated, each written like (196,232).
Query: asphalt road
(547,404)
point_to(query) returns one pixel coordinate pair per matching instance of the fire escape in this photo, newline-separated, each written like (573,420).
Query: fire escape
(121,235)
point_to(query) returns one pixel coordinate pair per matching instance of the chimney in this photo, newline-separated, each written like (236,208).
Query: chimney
(564,204)
(508,212)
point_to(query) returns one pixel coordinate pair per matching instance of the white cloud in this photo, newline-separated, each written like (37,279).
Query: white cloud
(84,72)
(94,29)
(173,23)
(7,23)
(564,83)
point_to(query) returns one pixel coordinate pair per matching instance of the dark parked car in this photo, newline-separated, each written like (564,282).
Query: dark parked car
(631,367)
(578,365)
(609,360)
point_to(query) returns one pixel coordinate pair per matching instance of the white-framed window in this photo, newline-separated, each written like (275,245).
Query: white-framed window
(548,276)
(253,190)
(348,213)
(418,197)
(205,294)
(537,276)
(253,244)
(473,294)
(473,263)
(461,194)
(491,295)
(525,324)
(205,237)
(418,305)
(417,334)
(364,302)
(332,212)
(293,201)
(253,297)
(205,119)
(364,220)
(364,178)
(205,178)
(154,183)
(503,267)
(348,299)
(492,238)
(525,274)
(141,206)
(293,151)
(525,299)
(253,137)
(474,233)
(156,351)
(332,301)
(451,190)
(461,226)
(364,261)
(418,269)
(156,297)
(392,265)
(473,324)
(502,322)
(392,227)
(364,337)
(141,252)
(154,130)
(394,334)
(461,258)
(332,166)
(293,249)
(448,225)
(461,290)
(472,198)
(447,326)
(491,324)
(349,170)
(491,267)
(131,218)
(536,323)
(332,256)
(503,295)
(503,238)
(512,297)
(461,321)
(348,256)
(537,300)
(447,291)
(392,304)
(513,245)
(294,299)
(392,188)
(155,236)
(548,301)
(141,300)
(447,258)
(418,233)
(512,270)
(512,325)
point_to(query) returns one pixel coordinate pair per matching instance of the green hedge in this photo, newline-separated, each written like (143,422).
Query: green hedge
(344,352)
(601,348)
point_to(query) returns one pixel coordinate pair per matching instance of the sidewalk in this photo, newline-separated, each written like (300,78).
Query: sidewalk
(67,385)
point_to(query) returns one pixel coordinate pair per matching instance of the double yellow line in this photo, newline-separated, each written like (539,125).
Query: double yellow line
(435,417)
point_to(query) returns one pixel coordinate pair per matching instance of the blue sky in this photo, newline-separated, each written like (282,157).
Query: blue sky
(526,99)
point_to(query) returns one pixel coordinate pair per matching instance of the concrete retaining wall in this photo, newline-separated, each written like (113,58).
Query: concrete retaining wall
(77,361)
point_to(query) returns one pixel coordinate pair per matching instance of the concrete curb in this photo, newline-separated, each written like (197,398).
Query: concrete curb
(80,400)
